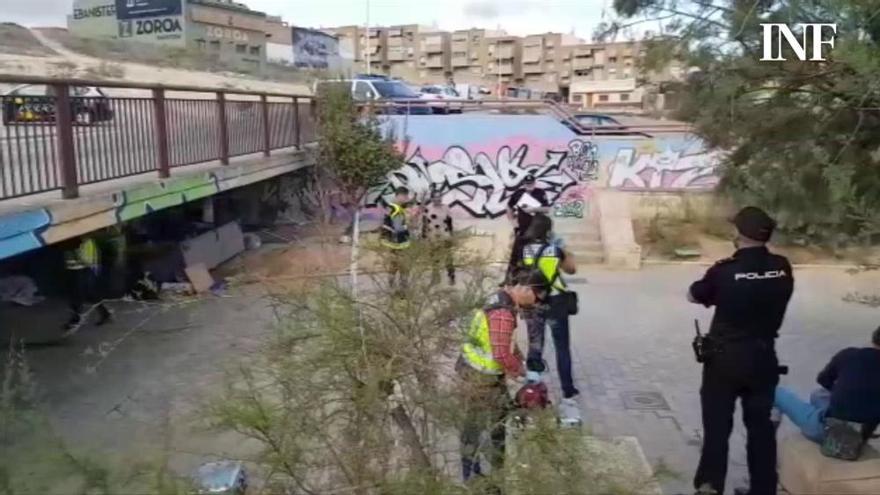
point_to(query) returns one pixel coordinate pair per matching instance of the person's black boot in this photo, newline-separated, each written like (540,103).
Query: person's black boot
(104,315)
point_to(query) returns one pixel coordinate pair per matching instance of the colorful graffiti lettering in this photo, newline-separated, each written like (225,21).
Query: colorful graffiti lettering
(583,159)
(569,209)
(477,185)
(164,194)
(666,170)
(20,232)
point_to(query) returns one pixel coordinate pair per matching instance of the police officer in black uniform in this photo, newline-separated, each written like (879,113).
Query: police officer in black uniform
(750,292)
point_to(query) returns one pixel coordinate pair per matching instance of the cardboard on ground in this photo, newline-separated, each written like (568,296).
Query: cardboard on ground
(199,277)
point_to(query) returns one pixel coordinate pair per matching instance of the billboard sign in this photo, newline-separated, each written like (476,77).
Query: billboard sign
(141,9)
(314,49)
(159,29)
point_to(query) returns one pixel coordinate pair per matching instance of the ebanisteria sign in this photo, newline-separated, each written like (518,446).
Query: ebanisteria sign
(820,33)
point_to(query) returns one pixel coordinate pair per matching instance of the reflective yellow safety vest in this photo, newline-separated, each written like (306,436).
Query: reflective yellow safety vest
(477,348)
(395,233)
(84,256)
(547,263)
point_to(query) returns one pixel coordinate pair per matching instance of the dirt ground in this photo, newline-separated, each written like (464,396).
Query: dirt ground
(18,40)
(661,243)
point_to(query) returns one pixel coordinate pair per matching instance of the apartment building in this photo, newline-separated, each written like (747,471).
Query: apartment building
(469,57)
(546,59)
(604,74)
(590,75)
(504,59)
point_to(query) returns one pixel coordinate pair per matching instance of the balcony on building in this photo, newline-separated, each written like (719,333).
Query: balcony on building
(433,45)
(459,59)
(583,51)
(435,62)
(531,54)
(505,69)
(532,68)
(396,53)
(578,63)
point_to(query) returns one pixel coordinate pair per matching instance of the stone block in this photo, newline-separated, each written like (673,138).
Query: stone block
(803,470)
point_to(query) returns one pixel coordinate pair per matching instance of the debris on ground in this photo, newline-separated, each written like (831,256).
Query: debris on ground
(19,289)
(201,278)
(222,477)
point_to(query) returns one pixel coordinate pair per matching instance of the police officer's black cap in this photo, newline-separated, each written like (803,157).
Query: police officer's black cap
(754,223)
(530,179)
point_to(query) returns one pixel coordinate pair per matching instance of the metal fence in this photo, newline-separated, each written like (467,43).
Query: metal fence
(60,134)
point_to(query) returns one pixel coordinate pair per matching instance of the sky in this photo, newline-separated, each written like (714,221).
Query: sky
(518,17)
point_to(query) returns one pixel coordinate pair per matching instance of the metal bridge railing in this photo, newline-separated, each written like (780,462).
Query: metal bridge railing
(60,134)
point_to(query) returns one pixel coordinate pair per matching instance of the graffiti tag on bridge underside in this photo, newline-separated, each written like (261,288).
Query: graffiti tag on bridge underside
(667,170)
(570,209)
(583,159)
(478,185)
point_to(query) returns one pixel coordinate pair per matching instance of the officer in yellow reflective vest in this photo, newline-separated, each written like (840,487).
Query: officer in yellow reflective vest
(488,354)
(548,256)
(82,261)
(396,238)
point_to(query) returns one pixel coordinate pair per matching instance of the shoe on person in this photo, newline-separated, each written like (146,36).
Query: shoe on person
(706,489)
(570,411)
(776,417)
(104,317)
(72,323)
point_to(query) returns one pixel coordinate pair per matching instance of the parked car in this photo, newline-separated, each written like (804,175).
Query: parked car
(435,95)
(382,89)
(30,103)
(605,124)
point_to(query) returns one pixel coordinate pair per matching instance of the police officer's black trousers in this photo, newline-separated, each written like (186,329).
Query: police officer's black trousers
(748,371)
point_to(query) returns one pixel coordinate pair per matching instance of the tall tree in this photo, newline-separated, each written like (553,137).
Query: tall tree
(803,136)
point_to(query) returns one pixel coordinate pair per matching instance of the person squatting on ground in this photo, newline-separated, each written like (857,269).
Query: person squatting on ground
(488,355)
(850,391)
(437,228)
(750,292)
(395,237)
(82,261)
(521,206)
(544,252)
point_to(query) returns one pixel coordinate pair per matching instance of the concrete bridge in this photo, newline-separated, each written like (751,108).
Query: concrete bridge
(70,165)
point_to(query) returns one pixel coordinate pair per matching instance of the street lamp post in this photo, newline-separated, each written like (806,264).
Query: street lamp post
(368,39)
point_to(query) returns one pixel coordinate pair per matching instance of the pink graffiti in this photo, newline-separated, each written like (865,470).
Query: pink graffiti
(666,170)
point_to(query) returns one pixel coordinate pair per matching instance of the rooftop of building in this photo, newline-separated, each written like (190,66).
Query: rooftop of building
(229,5)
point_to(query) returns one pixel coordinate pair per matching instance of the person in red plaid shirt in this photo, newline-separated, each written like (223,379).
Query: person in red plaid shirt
(488,355)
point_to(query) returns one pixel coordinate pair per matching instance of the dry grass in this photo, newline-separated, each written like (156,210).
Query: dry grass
(180,58)
(18,40)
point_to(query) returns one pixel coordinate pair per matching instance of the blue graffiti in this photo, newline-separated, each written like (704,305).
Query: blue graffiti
(20,232)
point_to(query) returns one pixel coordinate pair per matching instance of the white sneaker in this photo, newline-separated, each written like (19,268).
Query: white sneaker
(570,411)
(775,417)
(533,377)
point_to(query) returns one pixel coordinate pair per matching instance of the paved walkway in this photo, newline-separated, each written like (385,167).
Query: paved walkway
(123,385)
(634,365)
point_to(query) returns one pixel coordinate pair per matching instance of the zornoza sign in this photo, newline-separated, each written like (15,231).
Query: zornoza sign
(814,31)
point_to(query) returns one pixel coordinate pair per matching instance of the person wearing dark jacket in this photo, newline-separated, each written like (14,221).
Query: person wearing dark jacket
(850,391)
(523,204)
(395,237)
(750,292)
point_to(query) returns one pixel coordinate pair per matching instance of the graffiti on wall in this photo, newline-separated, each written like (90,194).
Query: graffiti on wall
(477,184)
(583,159)
(163,194)
(664,170)
(20,232)
(574,202)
